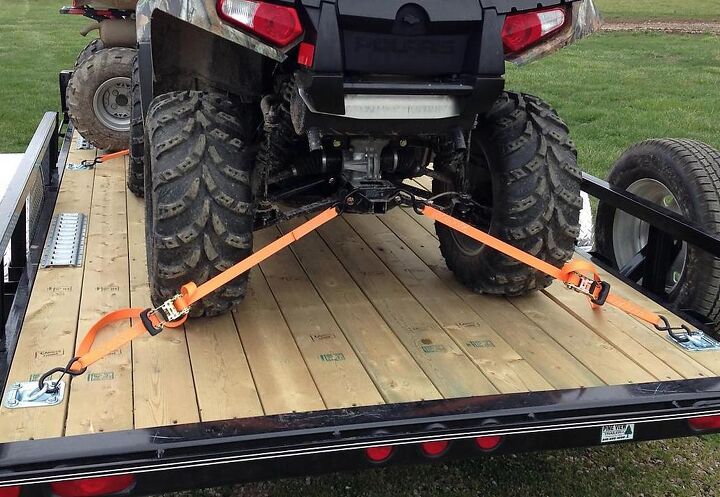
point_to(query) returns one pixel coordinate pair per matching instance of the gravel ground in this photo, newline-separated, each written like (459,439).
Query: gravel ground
(679,27)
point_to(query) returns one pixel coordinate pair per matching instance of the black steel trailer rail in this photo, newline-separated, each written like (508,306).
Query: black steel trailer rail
(213,453)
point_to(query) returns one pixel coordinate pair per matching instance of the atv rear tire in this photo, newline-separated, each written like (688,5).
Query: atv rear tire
(136,169)
(522,167)
(684,175)
(98,98)
(199,196)
(91,49)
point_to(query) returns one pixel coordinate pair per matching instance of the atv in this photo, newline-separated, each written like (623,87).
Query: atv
(98,93)
(247,113)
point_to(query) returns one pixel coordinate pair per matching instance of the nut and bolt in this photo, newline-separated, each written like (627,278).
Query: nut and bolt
(403,142)
(350,201)
(337,143)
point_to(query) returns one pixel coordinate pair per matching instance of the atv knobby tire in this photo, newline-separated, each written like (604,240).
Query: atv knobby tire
(199,196)
(88,92)
(690,171)
(91,49)
(136,169)
(522,168)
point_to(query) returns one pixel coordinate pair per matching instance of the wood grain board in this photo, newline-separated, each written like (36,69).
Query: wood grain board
(361,312)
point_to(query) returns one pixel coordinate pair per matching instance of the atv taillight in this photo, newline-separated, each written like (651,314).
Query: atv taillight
(522,31)
(275,23)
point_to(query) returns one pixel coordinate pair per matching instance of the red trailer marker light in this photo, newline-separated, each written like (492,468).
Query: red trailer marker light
(9,491)
(489,442)
(521,31)
(93,487)
(705,423)
(379,454)
(435,449)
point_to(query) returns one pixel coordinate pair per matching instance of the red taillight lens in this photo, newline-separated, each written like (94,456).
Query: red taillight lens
(379,454)
(93,487)
(487,443)
(9,491)
(275,23)
(521,31)
(434,449)
(705,423)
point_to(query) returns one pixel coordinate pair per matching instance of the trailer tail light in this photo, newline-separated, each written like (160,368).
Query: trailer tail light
(277,24)
(379,454)
(488,443)
(705,423)
(93,487)
(434,449)
(522,31)
(9,491)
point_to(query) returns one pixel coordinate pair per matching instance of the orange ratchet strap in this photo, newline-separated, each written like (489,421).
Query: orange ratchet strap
(114,155)
(574,274)
(579,275)
(174,312)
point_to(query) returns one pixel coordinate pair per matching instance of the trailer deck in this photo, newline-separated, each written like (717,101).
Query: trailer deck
(363,312)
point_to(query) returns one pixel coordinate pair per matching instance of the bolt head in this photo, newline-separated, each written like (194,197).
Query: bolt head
(337,143)
(403,142)
(331,181)
(350,201)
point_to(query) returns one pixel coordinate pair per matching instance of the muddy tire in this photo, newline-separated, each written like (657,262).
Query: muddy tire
(199,196)
(98,98)
(91,49)
(136,169)
(684,176)
(522,168)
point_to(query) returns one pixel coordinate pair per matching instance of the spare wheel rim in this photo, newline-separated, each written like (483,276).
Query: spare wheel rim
(630,235)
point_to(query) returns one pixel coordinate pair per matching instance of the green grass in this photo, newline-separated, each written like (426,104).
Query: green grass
(660,9)
(617,89)
(36,42)
(613,90)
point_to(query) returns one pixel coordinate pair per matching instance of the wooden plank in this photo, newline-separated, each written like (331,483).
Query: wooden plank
(281,376)
(543,353)
(708,359)
(105,288)
(48,333)
(334,365)
(223,381)
(505,368)
(391,366)
(163,388)
(655,354)
(609,364)
(452,372)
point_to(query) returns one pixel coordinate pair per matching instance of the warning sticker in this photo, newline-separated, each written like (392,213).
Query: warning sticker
(617,433)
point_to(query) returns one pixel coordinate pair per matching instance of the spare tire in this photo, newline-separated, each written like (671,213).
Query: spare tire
(99,100)
(683,176)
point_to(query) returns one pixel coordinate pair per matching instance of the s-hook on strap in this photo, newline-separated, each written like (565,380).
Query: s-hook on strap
(91,163)
(578,275)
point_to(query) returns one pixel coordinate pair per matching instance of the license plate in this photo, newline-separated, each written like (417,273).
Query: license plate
(617,433)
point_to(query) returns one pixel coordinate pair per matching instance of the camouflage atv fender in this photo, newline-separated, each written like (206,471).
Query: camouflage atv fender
(203,14)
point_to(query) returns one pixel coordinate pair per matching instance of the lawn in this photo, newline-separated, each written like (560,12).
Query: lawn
(613,90)
(699,10)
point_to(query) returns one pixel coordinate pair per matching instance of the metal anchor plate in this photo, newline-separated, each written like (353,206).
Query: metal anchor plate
(27,394)
(81,166)
(697,341)
(66,244)
(83,144)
